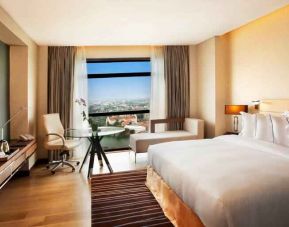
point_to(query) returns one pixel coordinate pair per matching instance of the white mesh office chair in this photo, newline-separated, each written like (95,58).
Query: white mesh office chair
(55,140)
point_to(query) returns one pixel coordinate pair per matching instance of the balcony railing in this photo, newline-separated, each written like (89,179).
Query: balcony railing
(132,121)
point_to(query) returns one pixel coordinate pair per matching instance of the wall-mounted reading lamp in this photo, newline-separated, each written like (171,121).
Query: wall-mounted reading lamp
(256,104)
(4,146)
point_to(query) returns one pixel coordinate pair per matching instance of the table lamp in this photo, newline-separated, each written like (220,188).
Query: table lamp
(235,110)
(4,146)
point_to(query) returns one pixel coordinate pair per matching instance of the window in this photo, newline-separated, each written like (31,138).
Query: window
(118,95)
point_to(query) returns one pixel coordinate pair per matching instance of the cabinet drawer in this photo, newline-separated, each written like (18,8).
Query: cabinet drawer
(31,150)
(18,162)
(4,174)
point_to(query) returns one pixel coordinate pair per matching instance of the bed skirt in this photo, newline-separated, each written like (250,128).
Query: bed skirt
(174,208)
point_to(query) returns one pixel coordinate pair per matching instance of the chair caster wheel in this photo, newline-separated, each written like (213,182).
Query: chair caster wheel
(77,163)
(52,172)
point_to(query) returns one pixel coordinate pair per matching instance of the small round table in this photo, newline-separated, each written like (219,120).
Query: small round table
(94,146)
(136,128)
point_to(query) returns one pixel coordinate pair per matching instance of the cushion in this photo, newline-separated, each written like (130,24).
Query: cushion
(141,141)
(286,114)
(264,128)
(280,130)
(58,145)
(248,125)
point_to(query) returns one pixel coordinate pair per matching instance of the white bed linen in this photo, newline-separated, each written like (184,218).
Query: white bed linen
(228,181)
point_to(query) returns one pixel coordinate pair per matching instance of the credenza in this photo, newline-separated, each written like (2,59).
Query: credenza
(22,160)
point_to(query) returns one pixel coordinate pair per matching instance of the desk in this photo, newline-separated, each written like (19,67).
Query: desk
(18,161)
(94,144)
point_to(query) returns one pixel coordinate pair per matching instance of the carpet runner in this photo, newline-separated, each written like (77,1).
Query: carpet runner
(122,199)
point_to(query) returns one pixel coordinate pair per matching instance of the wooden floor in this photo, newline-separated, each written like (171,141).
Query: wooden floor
(62,199)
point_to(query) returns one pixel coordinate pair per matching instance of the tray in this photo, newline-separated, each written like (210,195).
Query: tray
(12,152)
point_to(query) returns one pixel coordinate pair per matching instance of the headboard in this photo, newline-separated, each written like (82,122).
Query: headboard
(274,106)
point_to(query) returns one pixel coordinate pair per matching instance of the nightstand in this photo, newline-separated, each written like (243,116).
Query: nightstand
(231,133)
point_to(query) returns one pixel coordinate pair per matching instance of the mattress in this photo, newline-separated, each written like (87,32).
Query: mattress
(227,181)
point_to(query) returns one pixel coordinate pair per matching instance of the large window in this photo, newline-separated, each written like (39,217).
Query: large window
(118,95)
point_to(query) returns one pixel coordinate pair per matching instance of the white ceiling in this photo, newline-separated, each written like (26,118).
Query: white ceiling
(133,22)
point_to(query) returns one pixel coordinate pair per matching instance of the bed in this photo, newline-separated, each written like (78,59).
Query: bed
(226,181)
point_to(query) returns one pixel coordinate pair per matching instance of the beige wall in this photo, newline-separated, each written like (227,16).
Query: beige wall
(42,97)
(32,88)
(117,51)
(206,85)
(259,59)
(211,85)
(222,84)
(18,89)
(193,81)
(23,75)
(249,63)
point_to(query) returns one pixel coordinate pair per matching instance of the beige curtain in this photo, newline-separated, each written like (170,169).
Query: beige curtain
(176,62)
(60,82)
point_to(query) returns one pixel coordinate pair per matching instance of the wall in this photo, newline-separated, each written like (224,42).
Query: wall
(19,89)
(4,86)
(117,51)
(42,97)
(222,85)
(193,81)
(249,63)
(206,85)
(259,59)
(23,75)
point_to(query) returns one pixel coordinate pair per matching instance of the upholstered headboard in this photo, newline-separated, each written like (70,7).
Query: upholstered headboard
(274,106)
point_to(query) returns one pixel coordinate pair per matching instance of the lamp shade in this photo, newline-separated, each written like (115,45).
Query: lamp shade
(235,109)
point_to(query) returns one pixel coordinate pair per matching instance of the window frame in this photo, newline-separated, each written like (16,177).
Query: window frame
(114,75)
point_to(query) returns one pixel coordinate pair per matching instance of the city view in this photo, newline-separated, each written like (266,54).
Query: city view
(118,105)
(119,94)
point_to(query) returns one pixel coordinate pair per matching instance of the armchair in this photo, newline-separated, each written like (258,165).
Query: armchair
(55,140)
(193,129)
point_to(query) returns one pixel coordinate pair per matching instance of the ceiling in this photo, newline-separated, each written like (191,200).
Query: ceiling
(133,22)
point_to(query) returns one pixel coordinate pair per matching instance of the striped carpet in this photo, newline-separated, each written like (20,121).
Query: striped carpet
(122,199)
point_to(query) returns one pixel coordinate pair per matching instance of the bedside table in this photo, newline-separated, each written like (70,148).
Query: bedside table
(231,133)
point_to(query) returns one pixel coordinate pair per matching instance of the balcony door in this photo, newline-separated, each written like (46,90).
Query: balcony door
(119,95)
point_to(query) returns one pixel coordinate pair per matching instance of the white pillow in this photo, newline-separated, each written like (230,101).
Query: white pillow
(264,128)
(286,114)
(248,125)
(280,130)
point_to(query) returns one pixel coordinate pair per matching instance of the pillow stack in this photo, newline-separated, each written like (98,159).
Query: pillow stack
(280,125)
(270,128)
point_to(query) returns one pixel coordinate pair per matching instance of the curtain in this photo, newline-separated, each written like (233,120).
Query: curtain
(176,64)
(60,85)
(60,82)
(157,101)
(80,88)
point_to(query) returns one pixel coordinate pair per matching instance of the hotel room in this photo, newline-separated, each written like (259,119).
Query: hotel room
(144,113)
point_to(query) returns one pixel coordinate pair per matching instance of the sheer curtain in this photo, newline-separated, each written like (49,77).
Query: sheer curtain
(158,100)
(80,88)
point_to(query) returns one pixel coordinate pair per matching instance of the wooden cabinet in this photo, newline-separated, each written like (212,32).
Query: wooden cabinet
(19,160)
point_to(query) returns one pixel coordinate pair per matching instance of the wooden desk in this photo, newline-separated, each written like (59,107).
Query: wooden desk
(18,161)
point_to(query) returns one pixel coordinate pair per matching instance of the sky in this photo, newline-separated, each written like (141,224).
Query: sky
(118,67)
(118,87)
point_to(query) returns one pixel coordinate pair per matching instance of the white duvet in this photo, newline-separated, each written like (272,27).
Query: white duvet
(229,180)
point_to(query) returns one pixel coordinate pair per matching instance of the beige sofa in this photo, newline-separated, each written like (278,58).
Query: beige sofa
(193,129)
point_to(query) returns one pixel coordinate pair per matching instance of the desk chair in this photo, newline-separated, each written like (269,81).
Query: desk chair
(54,140)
